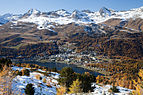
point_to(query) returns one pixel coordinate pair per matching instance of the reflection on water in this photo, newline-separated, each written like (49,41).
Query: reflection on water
(59,66)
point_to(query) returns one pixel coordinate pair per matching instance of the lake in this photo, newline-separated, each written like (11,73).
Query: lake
(59,66)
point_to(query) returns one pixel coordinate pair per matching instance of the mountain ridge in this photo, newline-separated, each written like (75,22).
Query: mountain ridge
(62,16)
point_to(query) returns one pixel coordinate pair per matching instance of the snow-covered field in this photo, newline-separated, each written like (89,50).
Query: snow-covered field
(19,83)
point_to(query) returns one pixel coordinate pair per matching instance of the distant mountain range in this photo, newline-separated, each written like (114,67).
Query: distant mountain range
(42,19)
(9,17)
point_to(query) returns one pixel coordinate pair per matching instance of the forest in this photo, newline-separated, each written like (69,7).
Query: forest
(121,73)
(30,50)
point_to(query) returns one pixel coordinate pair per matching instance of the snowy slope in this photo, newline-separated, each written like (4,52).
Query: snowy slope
(19,83)
(104,90)
(8,17)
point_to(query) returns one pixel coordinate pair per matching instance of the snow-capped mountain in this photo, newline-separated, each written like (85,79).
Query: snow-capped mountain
(78,15)
(32,13)
(105,12)
(63,13)
(8,17)
(44,19)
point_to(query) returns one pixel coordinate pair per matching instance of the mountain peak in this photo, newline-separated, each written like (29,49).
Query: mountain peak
(62,12)
(138,9)
(76,11)
(105,11)
(33,11)
(76,14)
(104,8)
(87,11)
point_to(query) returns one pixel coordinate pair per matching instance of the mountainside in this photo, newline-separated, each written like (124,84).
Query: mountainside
(8,17)
(106,32)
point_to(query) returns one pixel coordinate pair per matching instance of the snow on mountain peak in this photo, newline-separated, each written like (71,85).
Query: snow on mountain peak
(62,12)
(32,12)
(44,19)
(87,11)
(76,14)
(8,17)
(138,9)
(105,12)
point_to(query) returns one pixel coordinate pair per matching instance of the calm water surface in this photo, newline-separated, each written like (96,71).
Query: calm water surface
(59,66)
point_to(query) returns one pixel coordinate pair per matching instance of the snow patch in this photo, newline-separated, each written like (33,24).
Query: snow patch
(19,83)
(101,90)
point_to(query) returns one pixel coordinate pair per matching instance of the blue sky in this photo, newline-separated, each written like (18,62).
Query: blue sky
(22,6)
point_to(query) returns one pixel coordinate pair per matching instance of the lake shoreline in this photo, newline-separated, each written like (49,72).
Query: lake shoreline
(60,65)
(82,66)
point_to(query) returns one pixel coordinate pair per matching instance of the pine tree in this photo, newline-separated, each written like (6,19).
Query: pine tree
(87,80)
(75,87)
(66,76)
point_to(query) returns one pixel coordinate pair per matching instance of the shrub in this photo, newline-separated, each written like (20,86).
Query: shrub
(38,77)
(44,80)
(19,73)
(25,72)
(27,65)
(4,62)
(114,89)
(29,90)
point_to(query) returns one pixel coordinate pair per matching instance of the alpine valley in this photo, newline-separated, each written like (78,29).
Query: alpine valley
(109,42)
(40,34)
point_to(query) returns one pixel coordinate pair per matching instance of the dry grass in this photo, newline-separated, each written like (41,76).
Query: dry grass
(44,80)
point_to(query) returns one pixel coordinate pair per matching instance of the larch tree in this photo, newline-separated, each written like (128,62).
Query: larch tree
(75,87)
(61,90)
(6,77)
(139,84)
